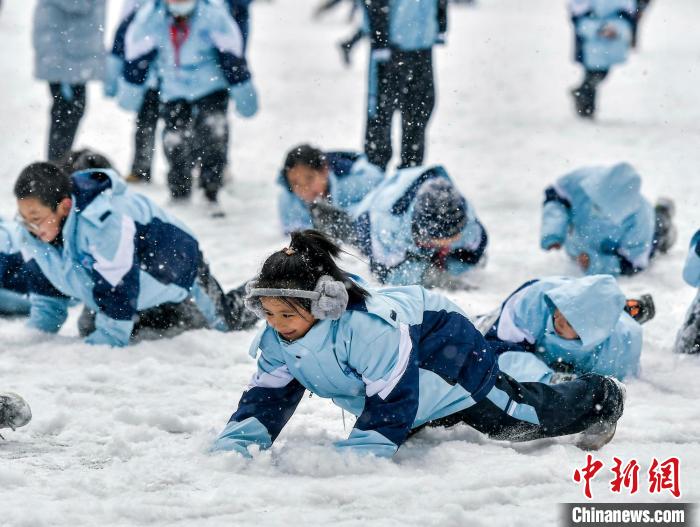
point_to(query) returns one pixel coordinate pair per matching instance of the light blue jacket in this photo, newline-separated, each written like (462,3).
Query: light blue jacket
(600,211)
(350,178)
(210,59)
(20,280)
(691,270)
(407,25)
(384,227)
(120,254)
(596,52)
(609,343)
(403,357)
(68,37)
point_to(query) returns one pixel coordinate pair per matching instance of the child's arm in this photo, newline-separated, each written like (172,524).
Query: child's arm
(265,407)
(619,355)
(48,307)
(466,252)
(389,369)
(140,50)
(691,270)
(556,213)
(633,251)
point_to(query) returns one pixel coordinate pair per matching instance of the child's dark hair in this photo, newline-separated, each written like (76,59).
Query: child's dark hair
(310,255)
(306,155)
(44,182)
(85,159)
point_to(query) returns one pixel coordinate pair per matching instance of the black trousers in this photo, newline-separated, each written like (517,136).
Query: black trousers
(145,135)
(66,113)
(172,318)
(688,339)
(585,94)
(405,84)
(562,409)
(196,134)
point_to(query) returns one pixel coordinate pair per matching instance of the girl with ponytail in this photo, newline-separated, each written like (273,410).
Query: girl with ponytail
(399,358)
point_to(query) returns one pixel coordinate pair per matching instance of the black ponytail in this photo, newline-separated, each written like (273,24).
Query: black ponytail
(310,255)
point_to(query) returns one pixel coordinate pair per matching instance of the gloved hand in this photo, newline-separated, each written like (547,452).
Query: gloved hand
(245,98)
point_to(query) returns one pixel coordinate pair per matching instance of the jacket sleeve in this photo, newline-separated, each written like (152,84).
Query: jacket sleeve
(389,369)
(115,273)
(620,354)
(48,307)
(378,18)
(139,47)
(294,215)
(556,213)
(227,39)
(691,269)
(633,252)
(409,272)
(73,7)
(265,407)
(466,252)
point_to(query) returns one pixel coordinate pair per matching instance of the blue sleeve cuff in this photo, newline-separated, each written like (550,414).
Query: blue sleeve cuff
(110,332)
(365,442)
(239,435)
(46,313)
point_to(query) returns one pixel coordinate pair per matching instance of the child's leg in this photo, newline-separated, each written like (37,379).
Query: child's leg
(417,100)
(177,137)
(211,140)
(145,135)
(525,411)
(12,304)
(66,112)
(381,105)
(688,339)
(665,232)
(585,95)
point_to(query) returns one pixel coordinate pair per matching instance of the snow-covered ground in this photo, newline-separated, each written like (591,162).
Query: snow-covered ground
(119,437)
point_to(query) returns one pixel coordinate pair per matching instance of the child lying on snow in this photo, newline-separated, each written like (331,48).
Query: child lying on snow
(14,411)
(571,325)
(399,358)
(598,215)
(129,261)
(688,340)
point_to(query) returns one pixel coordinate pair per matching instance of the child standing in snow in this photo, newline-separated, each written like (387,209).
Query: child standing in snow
(310,176)
(69,51)
(399,358)
(417,228)
(573,325)
(402,35)
(197,51)
(126,259)
(688,340)
(603,32)
(14,411)
(600,218)
(149,110)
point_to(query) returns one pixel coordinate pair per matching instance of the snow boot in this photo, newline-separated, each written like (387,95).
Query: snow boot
(641,309)
(601,432)
(665,233)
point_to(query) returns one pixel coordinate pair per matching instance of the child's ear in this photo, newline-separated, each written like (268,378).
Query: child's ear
(65,206)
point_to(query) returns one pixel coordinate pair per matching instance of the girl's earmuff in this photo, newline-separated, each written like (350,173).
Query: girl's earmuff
(329,299)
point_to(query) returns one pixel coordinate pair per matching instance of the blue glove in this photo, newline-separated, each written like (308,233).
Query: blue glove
(112,74)
(67,91)
(246,98)
(130,96)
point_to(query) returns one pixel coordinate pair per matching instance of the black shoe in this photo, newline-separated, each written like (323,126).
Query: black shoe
(601,432)
(641,309)
(666,232)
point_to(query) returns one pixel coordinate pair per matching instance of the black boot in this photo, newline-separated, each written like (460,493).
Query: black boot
(665,233)
(641,309)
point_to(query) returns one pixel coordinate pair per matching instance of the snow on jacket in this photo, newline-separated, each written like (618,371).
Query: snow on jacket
(350,178)
(210,57)
(691,270)
(19,279)
(609,343)
(594,51)
(68,37)
(408,25)
(384,228)
(120,254)
(599,211)
(401,358)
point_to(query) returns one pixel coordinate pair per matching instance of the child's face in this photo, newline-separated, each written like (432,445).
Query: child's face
(291,323)
(439,243)
(308,183)
(40,220)
(563,328)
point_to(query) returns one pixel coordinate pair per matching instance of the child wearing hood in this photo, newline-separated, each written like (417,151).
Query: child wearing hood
(310,176)
(603,32)
(571,325)
(197,51)
(416,227)
(688,340)
(399,358)
(131,263)
(598,215)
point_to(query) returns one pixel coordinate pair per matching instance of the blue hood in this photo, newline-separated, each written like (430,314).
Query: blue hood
(592,305)
(88,184)
(615,191)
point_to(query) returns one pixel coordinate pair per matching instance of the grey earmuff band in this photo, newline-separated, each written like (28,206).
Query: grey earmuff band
(294,293)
